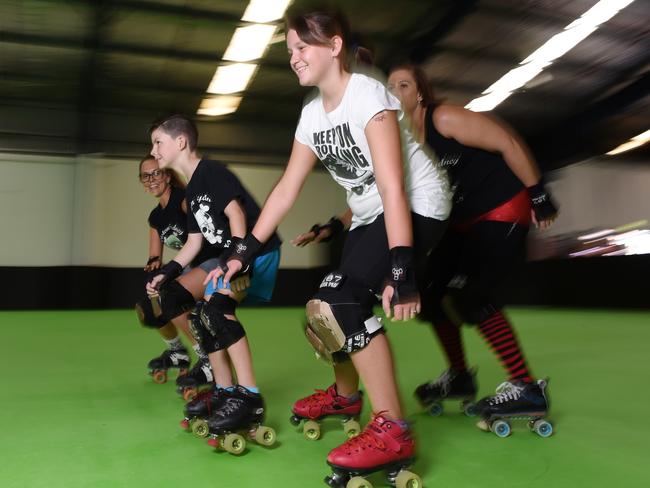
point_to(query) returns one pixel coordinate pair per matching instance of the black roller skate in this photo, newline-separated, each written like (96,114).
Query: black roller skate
(198,410)
(516,400)
(326,403)
(200,375)
(158,367)
(450,385)
(238,417)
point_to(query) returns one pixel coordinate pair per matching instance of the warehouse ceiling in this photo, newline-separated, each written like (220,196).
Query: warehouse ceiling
(88,77)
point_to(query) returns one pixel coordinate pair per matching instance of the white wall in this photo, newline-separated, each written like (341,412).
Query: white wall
(93,211)
(36,202)
(600,193)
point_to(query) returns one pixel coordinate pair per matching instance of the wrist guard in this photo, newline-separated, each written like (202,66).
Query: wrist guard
(402,275)
(244,250)
(542,202)
(171,271)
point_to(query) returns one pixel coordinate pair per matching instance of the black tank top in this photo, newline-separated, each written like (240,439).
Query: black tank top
(481,180)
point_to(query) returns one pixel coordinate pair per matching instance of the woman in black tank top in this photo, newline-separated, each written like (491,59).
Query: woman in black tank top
(498,193)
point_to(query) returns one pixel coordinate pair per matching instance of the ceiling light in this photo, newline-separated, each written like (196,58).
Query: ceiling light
(249,43)
(555,47)
(219,105)
(265,10)
(231,78)
(636,141)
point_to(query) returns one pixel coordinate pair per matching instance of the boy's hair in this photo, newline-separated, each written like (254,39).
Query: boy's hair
(176,125)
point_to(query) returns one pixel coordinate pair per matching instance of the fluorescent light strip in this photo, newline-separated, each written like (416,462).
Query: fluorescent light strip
(551,50)
(636,141)
(231,78)
(263,11)
(249,43)
(219,105)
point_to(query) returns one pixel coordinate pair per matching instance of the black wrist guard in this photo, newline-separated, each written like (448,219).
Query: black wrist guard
(171,271)
(543,205)
(402,275)
(244,250)
(153,259)
(335,225)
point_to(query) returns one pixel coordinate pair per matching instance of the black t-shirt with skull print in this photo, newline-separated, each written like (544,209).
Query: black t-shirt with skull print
(209,191)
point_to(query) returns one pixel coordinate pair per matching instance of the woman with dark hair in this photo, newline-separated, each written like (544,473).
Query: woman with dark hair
(167,227)
(498,193)
(351,123)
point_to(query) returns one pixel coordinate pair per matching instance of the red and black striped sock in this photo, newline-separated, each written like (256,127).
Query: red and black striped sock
(452,344)
(498,333)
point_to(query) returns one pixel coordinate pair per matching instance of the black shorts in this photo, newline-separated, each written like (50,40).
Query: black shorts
(366,254)
(478,259)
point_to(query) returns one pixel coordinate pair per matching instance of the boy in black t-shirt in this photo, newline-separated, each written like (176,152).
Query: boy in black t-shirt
(221,211)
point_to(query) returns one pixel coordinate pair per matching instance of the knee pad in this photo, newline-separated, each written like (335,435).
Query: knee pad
(467,305)
(340,319)
(175,300)
(146,316)
(212,329)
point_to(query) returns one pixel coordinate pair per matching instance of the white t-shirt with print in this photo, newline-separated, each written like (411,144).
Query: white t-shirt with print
(338,139)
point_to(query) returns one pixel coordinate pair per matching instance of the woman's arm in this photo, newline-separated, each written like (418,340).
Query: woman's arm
(383,137)
(278,203)
(155,251)
(490,134)
(383,134)
(478,130)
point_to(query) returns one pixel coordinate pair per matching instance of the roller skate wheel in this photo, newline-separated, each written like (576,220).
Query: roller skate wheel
(311,430)
(189,394)
(469,409)
(407,479)
(435,410)
(358,482)
(294,420)
(265,436)
(501,428)
(352,428)
(234,444)
(200,428)
(185,424)
(542,428)
(159,377)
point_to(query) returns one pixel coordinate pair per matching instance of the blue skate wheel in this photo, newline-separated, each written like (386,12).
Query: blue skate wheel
(470,409)
(501,428)
(435,410)
(543,428)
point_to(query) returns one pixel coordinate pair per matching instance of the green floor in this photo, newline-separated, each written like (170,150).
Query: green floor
(78,409)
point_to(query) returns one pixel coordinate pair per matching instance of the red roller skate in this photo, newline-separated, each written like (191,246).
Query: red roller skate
(327,403)
(382,446)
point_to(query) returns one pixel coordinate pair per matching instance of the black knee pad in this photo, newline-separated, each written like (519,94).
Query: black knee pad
(175,300)
(146,316)
(469,305)
(340,316)
(212,329)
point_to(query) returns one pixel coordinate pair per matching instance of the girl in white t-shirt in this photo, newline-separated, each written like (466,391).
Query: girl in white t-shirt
(399,201)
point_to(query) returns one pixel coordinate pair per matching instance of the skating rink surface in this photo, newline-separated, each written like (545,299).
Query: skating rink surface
(79,410)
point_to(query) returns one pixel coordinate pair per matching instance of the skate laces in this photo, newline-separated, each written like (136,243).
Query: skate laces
(373,437)
(506,392)
(231,406)
(318,398)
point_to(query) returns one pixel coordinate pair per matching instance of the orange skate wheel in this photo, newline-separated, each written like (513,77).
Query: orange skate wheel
(159,377)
